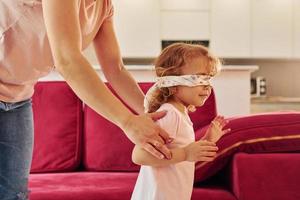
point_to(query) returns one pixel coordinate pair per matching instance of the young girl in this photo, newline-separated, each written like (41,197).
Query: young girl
(184,72)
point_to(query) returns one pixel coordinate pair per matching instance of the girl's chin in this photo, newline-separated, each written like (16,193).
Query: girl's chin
(200,103)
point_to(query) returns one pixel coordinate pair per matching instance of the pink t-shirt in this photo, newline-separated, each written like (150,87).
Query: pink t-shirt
(25,55)
(174,181)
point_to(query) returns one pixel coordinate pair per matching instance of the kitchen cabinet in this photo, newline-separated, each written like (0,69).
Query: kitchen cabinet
(234,28)
(296,29)
(255,28)
(137,25)
(272,28)
(185,20)
(185,5)
(230,28)
(185,25)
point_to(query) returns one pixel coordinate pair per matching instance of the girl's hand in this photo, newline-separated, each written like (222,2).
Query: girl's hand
(142,131)
(201,150)
(215,130)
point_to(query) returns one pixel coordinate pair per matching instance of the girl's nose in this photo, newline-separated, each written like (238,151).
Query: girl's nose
(207,87)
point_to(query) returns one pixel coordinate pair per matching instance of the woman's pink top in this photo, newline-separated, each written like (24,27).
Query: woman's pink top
(25,54)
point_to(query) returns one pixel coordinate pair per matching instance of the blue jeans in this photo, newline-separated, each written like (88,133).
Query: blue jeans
(16,144)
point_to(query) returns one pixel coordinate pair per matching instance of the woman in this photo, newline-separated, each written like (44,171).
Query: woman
(35,36)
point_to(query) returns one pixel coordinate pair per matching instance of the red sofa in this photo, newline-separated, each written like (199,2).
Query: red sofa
(79,155)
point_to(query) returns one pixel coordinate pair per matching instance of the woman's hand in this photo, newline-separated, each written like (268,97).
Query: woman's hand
(201,150)
(142,131)
(215,130)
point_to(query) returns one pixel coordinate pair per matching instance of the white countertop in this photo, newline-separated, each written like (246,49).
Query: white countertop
(142,71)
(232,85)
(224,67)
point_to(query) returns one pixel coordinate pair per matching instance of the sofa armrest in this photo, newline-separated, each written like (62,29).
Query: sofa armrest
(266,176)
(262,133)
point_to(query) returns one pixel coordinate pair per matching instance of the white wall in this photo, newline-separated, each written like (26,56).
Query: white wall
(282,76)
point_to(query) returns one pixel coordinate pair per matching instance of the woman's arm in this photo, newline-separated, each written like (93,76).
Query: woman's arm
(109,57)
(201,150)
(63,29)
(64,35)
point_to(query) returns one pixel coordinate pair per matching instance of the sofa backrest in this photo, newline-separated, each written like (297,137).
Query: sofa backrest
(105,146)
(63,138)
(57,128)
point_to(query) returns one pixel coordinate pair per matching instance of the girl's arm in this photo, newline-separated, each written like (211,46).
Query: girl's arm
(141,157)
(215,129)
(201,150)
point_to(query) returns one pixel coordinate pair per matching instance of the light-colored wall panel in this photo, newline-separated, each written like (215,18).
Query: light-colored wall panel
(137,25)
(184,25)
(185,4)
(297,29)
(230,28)
(272,28)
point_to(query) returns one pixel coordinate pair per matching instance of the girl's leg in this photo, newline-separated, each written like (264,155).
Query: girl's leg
(16,144)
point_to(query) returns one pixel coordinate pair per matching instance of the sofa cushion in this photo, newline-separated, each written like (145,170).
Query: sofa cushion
(106,147)
(83,185)
(57,123)
(212,193)
(266,176)
(101,185)
(273,132)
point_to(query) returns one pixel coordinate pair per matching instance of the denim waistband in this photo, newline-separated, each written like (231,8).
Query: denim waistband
(6,106)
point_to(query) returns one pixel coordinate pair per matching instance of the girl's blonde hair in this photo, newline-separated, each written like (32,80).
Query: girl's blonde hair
(169,63)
